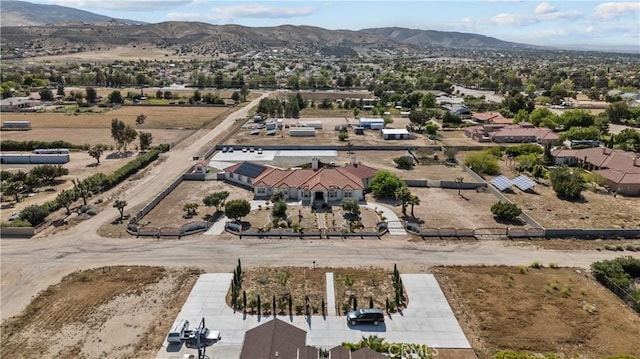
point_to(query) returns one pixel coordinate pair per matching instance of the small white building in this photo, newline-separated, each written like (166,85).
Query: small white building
(394,133)
(302,132)
(368,122)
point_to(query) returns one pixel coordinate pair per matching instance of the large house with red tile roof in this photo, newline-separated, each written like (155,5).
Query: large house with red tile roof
(329,184)
(620,168)
(521,133)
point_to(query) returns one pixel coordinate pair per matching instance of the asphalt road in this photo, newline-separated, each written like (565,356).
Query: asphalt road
(31,265)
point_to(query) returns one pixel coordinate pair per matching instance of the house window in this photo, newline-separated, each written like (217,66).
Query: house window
(249,180)
(262,190)
(332,194)
(306,194)
(230,175)
(347,194)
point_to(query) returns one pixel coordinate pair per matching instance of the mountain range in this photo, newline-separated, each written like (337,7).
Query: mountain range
(32,28)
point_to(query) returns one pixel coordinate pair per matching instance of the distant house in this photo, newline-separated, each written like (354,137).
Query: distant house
(277,339)
(309,185)
(459,110)
(20,103)
(521,133)
(621,169)
(491,118)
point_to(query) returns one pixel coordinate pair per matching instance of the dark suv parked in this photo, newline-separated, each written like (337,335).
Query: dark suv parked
(366,315)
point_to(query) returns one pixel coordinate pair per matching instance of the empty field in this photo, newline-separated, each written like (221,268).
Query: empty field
(546,310)
(115,312)
(158,117)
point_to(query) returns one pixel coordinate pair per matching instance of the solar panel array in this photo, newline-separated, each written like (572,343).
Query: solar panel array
(250,169)
(523,182)
(501,183)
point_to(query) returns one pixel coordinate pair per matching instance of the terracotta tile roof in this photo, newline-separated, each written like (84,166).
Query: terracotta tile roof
(492,117)
(350,177)
(360,171)
(615,165)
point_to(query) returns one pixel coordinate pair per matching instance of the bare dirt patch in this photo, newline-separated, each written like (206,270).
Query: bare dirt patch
(114,312)
(301,283)
(596,210)
(561,311)
(159,117)
(91,136)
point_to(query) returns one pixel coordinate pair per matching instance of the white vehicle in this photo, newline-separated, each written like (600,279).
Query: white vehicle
(177,332)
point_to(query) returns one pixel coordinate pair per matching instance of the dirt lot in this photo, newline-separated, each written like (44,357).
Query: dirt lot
(158,117)
(111,312)
(443,208)
(544,310)
(597,210)
(91,136)
(299,282)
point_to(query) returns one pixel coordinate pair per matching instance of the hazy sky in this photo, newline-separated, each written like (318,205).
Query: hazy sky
(609,23)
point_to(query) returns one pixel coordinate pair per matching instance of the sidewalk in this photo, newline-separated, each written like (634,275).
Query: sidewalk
(394,224)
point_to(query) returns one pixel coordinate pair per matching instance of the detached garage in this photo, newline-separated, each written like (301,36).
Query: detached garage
(302,132)
(394,134)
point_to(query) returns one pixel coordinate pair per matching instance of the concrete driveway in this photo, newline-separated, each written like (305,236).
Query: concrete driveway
(428,320)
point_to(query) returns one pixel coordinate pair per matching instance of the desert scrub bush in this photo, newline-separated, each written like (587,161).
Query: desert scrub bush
(536,265)
(553,265)
(523,269)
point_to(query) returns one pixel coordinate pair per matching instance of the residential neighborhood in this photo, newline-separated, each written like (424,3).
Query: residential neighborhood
(218,185)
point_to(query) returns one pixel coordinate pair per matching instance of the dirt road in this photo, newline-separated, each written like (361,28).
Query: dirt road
(31,265)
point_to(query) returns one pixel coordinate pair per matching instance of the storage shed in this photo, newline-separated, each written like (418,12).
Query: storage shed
(315,124)
(302,132)
(16,125)
(359,130)
(26,158)
(394,134)
(367,122)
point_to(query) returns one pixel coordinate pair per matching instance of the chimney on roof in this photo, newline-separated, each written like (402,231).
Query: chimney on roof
(354,161)
(314,163)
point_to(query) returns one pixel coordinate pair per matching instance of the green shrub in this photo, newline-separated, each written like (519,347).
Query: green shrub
(482,163)
(16,223)
(11,145)
(523,269)
(505,210)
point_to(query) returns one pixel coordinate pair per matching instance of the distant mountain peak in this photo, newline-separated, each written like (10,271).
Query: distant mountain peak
(23,13)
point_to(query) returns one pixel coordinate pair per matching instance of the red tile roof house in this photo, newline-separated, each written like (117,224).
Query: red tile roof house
(491,118)
(521,133)
(309,185)
(621,169)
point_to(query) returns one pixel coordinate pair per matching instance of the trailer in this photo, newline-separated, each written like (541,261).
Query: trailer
(302,132)
(368,122)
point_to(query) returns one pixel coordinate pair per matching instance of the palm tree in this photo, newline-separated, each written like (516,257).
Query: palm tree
(403,195)
(414,201)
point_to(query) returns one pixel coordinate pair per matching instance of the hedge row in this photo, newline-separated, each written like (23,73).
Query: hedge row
(11,145)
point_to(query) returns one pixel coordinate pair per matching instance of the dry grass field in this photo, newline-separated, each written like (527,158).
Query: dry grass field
(112,312)
(158,117)
(596,210)
(546,310)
